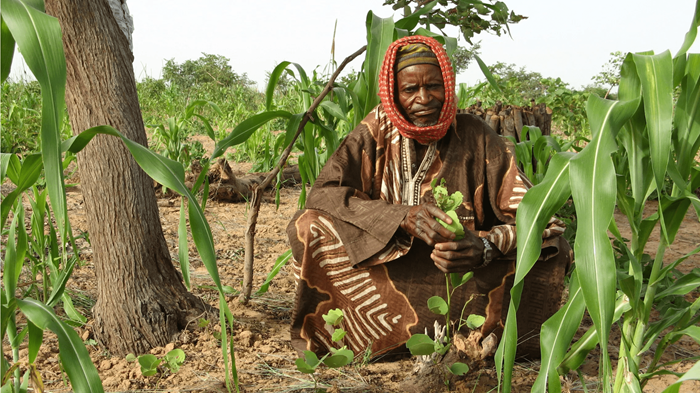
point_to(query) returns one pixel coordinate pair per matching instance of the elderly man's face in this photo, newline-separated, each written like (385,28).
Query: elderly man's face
(421,92)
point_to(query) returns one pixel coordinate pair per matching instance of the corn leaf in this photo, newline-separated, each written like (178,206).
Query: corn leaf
(487,73)
(535,210)
(593,187)
(75,358)
(692,374)
(23,178)
(279,263)
(380,34)
(656,75)
(245,129)
(8,50)
(39,37)
(555,337)
(182,250)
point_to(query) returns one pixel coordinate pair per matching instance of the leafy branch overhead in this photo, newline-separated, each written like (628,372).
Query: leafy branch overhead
(469,16)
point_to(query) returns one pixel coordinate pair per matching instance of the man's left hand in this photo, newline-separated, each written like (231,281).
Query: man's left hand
(459,256)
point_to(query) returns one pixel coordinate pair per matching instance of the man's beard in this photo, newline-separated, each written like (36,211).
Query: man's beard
(419,123)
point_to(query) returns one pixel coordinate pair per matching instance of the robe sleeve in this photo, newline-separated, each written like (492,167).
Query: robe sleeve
(507,185)
(344,189)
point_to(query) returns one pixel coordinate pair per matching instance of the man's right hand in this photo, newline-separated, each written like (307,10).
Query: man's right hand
(420,222)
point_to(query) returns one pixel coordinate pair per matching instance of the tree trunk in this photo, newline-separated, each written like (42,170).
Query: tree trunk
(141,302)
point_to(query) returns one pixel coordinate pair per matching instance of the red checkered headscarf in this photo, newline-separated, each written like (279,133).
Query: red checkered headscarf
(387,94)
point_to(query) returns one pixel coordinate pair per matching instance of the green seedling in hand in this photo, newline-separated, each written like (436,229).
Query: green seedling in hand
(448,204)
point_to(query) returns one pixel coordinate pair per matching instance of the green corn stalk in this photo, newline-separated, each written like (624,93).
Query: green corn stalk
(631,137)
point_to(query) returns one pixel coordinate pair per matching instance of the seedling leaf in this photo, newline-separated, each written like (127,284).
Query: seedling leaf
(333,317)
(420,344)
(475,321)
(459,368)
(458,279)
(149,364)
(438,306)
(338,335)
(340,358)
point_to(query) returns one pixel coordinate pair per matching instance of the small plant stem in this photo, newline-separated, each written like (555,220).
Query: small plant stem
(449,308)
(583,382)
(11,336)
(640,328)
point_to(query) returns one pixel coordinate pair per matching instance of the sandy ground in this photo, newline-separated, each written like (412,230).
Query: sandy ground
(264,356)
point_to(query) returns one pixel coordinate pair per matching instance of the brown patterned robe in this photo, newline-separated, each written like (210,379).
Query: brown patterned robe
(350,253)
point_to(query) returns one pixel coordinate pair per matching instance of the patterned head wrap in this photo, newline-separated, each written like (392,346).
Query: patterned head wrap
(413,54)
(387,77)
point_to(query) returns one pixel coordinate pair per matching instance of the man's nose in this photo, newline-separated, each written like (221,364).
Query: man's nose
(423,95)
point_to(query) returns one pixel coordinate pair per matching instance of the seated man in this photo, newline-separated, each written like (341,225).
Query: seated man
(368,242)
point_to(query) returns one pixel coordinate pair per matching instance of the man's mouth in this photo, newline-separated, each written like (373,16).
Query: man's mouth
(425,112)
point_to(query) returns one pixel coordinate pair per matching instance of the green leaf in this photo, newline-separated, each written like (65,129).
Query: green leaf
(182,246)
(411,21)
(593,186)
(59,283)
(456,227)
(488,74)
(14,254)
(175,356)
(39,36)
(309,363)
(75,358)
(536,208)
(340,358)
(338,335)
(458,368)
(380,34)
(36,337)
(578,352)
(245,129)
(475,321)
(149,364)
(685,284)
(556,335)
(656,74)
(8,50)
(420,344)
(457,279)
(130,357)
(438,305)
(692,374)
(279,263)
(25,177)
(272,83)
(70,310)
(333,109)
(333,317)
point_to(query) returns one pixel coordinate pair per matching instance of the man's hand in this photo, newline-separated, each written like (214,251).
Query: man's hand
(420,222)
(460,256)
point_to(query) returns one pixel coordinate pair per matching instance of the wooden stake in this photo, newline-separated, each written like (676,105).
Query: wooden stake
(257,191)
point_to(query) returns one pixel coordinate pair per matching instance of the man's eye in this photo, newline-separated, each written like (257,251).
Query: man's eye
(409,89)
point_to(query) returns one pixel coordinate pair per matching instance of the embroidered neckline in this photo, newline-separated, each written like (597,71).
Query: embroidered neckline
(410,190)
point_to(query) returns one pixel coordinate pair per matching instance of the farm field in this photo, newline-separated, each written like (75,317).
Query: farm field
(264,356)
(105,285)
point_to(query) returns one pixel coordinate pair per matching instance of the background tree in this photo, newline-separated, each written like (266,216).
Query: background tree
(462,57)
(469,17)
(141,302)
(610,75)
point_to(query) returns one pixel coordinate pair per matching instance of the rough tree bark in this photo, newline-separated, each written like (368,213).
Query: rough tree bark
(141,302)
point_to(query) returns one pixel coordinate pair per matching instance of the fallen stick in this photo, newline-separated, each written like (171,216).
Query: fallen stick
(257,190)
